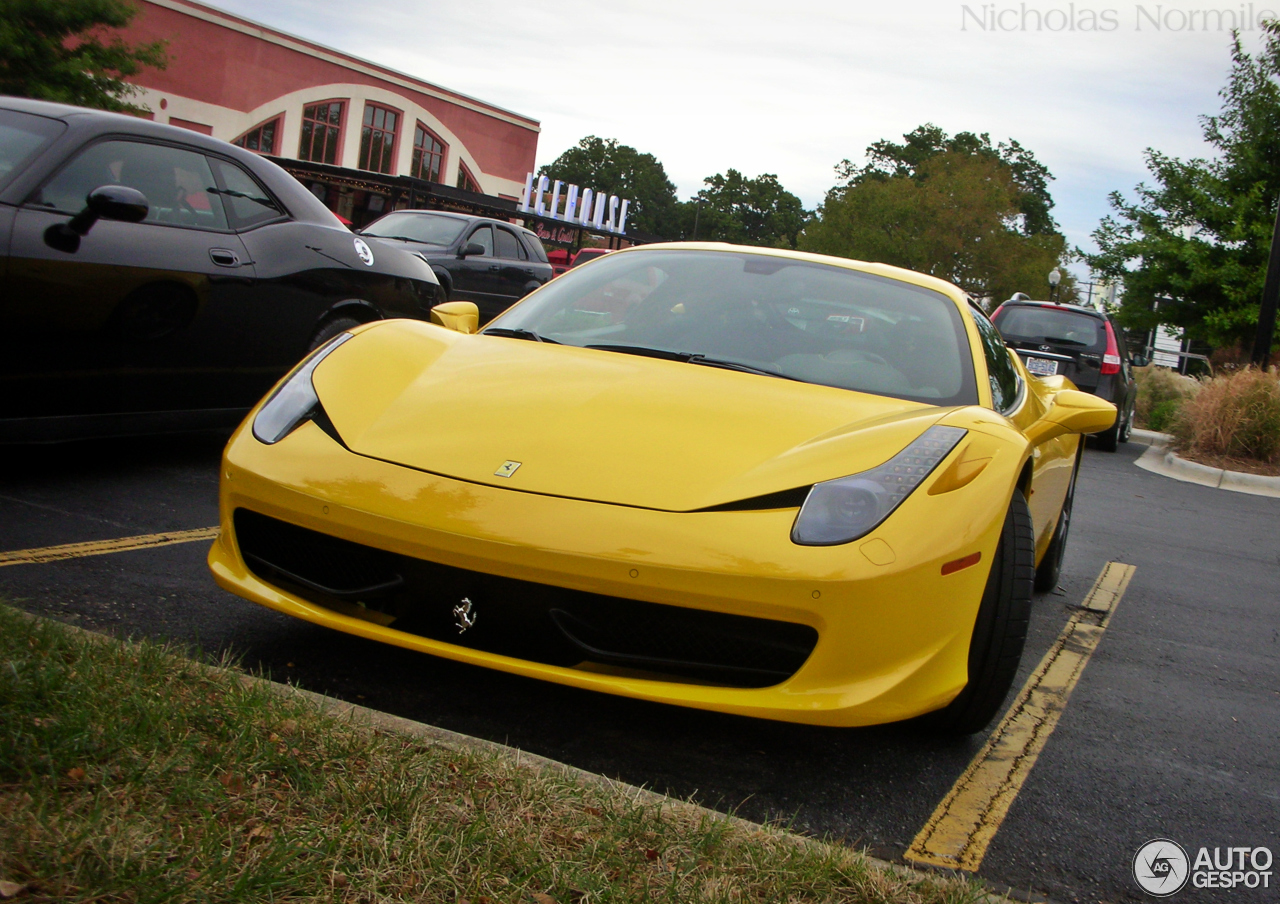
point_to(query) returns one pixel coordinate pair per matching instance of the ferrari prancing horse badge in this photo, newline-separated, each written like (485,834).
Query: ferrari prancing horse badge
(508,468)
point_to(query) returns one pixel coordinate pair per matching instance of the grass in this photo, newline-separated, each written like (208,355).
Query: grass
(130,773)
(1236,415)
(1161,392)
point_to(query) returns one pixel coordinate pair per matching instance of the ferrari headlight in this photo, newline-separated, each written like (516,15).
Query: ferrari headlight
(296,398)
(838,511)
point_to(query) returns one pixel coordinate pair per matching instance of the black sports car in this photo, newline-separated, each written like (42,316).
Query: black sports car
(159,280)
(489,262)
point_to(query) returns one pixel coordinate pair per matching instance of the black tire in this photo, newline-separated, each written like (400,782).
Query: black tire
(1109,440)
(329,329)
(1126,430)
(999,631)
(1050,567)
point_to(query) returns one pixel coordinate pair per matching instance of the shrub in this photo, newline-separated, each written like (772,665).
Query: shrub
(1237,415)
(1163,414)
(1160,388)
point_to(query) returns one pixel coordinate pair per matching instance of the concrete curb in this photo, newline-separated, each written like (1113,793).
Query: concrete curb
(1159,459)
(453,740)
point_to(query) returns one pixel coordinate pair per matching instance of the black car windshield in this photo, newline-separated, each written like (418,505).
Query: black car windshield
(22,136)
(776,315)
(428,228)
(1034,323)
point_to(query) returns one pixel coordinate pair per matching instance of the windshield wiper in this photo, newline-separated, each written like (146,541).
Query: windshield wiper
(738,365)
(644,350)
(517,334)
(692,358)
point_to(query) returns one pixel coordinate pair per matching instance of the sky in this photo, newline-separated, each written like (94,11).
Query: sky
(792,87)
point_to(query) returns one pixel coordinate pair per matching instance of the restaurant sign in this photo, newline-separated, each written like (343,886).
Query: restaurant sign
(581,207)
(563,235)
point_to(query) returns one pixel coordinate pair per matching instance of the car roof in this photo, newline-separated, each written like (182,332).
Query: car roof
(1071,308)
(85,125)
(105,121)
(463,216)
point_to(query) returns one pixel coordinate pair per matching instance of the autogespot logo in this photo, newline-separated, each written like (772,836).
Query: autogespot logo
(1161,867)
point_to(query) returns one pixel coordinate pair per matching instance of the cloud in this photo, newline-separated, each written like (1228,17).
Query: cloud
(792,88)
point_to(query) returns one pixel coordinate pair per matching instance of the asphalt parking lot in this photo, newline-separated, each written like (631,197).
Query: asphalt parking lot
(1170,731)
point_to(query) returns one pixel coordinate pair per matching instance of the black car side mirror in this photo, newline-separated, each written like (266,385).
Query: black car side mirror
(472,248)
(1140,360)
(107,202)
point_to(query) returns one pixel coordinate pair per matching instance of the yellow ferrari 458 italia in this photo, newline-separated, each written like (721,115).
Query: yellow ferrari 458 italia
(754,481)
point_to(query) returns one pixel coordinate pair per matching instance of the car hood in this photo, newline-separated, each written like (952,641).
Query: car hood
(599,425)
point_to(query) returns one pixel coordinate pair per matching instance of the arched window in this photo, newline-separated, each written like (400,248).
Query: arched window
(264,138)
(321,130)
(378,139)
(428,155)
(465,179)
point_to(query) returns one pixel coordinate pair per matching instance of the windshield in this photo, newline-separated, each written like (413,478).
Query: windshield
(22,136)
(1038,324)
(804,321)
(428,228)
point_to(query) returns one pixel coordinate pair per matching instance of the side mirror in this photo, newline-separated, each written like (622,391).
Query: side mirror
(471,248)
(459,316)
(106,202)
(1072,411)
(118,202)
(1140,360)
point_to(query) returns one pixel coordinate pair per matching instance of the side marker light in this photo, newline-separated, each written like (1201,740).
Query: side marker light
(960,564)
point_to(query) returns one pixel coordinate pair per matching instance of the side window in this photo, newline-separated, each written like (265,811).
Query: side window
(535,245)
(178,183)
(1003,375)
(247,203)
(483,236)
(509,247)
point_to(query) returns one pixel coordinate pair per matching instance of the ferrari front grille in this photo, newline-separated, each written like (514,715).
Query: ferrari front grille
(522,619)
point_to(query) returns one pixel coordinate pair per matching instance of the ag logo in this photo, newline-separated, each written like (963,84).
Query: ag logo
(365,252)
(1161,867)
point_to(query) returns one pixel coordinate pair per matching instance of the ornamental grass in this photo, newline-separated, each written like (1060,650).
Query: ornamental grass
(1235,415)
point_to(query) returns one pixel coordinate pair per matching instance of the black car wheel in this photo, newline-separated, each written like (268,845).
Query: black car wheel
(1050,568)
(999,631)
(1109,440)
(329,329)
(1127,430)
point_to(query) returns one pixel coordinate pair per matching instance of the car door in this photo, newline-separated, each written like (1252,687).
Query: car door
(515,273)
(477,275)
(117,324)
(300,271)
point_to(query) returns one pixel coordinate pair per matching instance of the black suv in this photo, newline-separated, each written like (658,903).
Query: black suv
(159,280)
(489,262)
(1082,344)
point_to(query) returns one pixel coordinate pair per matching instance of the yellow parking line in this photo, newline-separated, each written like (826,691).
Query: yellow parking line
(959,831)
(102,547)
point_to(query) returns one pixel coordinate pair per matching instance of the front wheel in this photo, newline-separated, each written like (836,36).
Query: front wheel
(1000,629)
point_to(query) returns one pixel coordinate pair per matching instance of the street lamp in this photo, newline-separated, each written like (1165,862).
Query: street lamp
(1055,277)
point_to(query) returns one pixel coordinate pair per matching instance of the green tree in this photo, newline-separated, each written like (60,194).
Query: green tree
(955,215)
(56,50)
(1196,242)
(604,165)
(733,208)
(1030,177)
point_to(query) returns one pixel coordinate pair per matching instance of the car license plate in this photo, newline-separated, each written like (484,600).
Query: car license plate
(1042,367)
